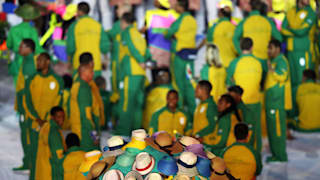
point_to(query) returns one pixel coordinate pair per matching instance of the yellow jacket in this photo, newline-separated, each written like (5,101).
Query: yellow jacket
(71,164)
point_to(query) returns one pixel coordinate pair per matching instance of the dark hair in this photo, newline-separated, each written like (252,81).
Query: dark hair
(100,81)
(255,5)
(263,9)
(128,18)
(72,139)
(232,108)
(225,13)
(241,131)
(184,4)
(30,44)
(85,58)
(67,79)
(84,7)
(172,91)
(45,55)
(246,43)
(237,89)
(276,43)
(310,74)
(206,85)
(55,109)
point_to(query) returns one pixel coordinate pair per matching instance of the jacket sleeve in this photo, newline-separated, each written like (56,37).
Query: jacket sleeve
(210,33)
(29,103)
(274,32)
(306,25)
(136,45)
(104,42)
(230,72)
(153,125)
(224,127)
(211,115)
(173,29)
(237,36)
(285,29)
(85,105)
(71,44)
(9,41)
(281,71)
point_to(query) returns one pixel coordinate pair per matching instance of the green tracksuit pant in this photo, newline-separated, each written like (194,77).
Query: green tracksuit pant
(131,105)
(34,136)
(24,135)
(276,122)
(298,62)
(256,140)
(182,73)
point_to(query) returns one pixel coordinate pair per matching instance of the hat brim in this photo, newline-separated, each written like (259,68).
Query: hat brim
(150,142)
(176,148)
(134,174)
(109,160)
(86,165)
(147,170)
(121,175)
(191,172)
(113,153)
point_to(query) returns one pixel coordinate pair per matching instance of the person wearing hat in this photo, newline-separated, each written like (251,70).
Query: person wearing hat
(74,156)
(187,164)
(114,145)
(170,118)
(182,34)
(86,35)
(28,68)
(91,157)
(135,175)
(51,148)
(240,158)
(205,115)
(18,33)
(43,91)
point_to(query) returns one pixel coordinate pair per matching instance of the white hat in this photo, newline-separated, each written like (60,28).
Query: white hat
(114,145)
(181,177)
(133,175)
(113,174)
(144,163)
(139,134)
(154,176)
(187,141)
(187,164)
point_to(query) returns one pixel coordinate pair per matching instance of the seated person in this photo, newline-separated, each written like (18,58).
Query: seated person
(241,159)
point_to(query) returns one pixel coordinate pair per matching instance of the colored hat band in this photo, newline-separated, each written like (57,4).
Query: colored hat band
(185,165)
(105,168)
(164,148)
(217,173)
(146,168)
(116,147)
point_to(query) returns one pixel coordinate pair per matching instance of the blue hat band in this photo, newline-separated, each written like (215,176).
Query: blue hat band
(185,165)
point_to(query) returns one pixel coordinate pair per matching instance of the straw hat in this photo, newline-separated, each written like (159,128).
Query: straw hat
(219,169)
(144,163)
(114,145)
(113,174)
(124,162)
(137,140)
(90,158)
(165,3)
(133,175)
(27,11)
(168,166)
(210,155)
(187,164)
(197,149)
(139,134)
(70,12)
(203,167)
(154,176)
(181,177)
(97,169)
(187,141)
(162,142)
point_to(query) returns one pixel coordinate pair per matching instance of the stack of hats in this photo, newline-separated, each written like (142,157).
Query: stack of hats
(157,157)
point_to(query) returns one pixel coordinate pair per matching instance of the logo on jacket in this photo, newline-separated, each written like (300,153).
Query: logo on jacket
(52,85)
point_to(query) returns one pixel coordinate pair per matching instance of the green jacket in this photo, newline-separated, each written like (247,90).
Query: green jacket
(221,133)
(105,95)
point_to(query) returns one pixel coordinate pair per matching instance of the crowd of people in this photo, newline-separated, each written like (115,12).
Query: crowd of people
(174,124)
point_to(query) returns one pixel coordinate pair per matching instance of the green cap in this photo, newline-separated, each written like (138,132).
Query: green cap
(27,12)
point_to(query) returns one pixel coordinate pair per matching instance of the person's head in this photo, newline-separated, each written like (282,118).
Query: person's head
(43,62)
(83,9)
(127,19)
(213,55)
(309,74)
(86,73)
(246,45)
(203,90)
(86,58)
(263,9)
(255,5)
(72,140)
(274,48)
(182,6)
(226,103)
(27,46)
(100,82)
(122,9)
(236,92)
(163,77)
(225,9)
(67,81)
(57,114)
(241,131)
(303,3)
(172,99)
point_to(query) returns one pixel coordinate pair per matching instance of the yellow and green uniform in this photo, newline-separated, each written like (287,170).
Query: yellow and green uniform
(42,93)
(217,77)
(308,100)
(83,120)
(171,122)
(183,34)
(276,106)
(242,160)
(133,51)
(218,35)
(299,28)
(27,69)
(105,96)
(50,154)
(260,29)
(204,120)
(71,164)
(15,36)
(66,108)
(246,71)
(87,35)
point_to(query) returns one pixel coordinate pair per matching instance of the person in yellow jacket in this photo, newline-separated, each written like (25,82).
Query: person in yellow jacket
(214,72)
(51,147)
(246,71)
(205,115)
(43,91)
(308,101)
(74,156)
(169,118)
(67,81)
(86,35)
(218,35)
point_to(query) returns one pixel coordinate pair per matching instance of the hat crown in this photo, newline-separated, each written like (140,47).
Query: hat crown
(115,141)
(113,174)
(126,159)
(189,158)
(139,134)
(218,164)
(154,176)
(143,160)
(168,166)
(187,141)
(197,149)
(164,139)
